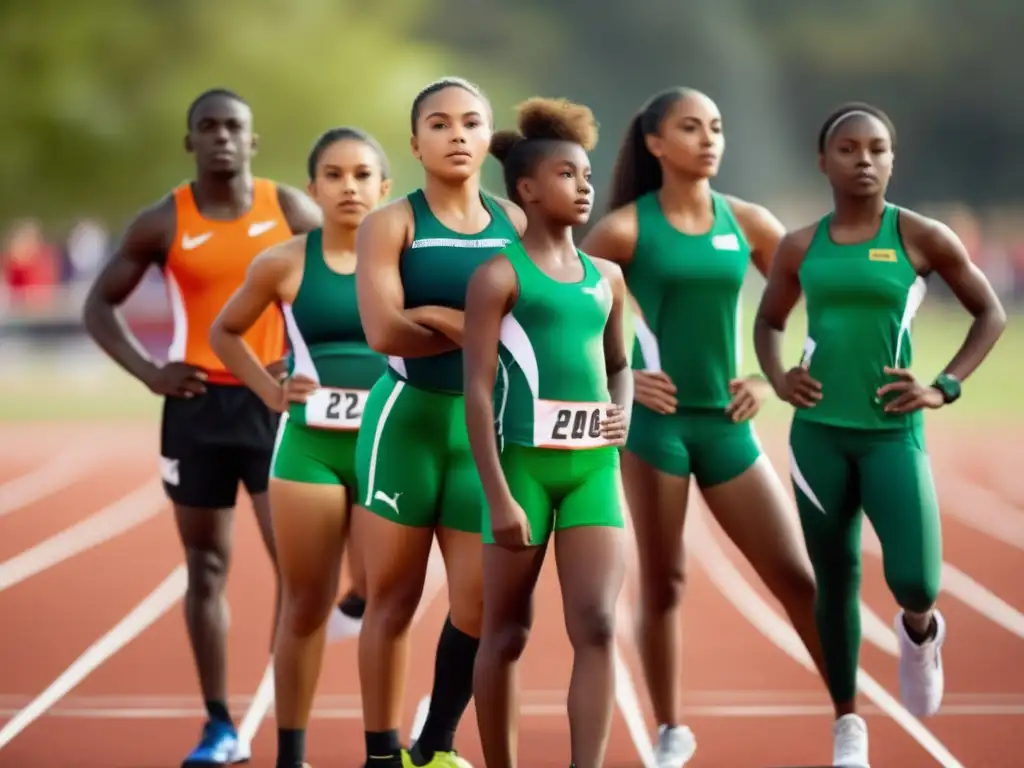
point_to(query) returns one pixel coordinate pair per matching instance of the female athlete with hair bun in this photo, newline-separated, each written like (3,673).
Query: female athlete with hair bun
(545,321)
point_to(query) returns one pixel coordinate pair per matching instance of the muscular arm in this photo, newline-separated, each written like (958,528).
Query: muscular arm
(389,328)
(145,243)
(763,231)
(491,293)
(267,282)
(947,256)
(620,377)
(301,213)
(780,296)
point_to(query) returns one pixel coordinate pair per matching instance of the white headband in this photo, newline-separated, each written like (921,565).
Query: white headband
(842,119)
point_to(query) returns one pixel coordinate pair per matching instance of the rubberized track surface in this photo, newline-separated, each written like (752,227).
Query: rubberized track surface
(95,670)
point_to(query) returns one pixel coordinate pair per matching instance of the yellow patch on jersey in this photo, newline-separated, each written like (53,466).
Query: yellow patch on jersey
(882,254)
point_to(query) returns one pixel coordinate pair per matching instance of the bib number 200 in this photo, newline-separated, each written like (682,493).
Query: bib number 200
(576,424)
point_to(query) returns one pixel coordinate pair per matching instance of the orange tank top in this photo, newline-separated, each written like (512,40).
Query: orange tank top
(207,263)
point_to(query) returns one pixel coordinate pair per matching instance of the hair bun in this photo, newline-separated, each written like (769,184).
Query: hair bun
(502,143)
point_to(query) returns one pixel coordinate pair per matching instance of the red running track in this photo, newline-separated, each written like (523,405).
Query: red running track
(750,701)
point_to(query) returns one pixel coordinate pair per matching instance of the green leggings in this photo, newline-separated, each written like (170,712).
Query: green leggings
(836,472)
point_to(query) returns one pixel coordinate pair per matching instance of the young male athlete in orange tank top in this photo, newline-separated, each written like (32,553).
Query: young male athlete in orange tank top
(215,431)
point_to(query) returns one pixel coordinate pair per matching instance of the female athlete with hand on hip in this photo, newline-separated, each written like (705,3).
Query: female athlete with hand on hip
(313,475)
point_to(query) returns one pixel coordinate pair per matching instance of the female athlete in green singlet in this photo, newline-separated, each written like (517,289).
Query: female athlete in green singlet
(857,439)
(416,473)
(562,361)
(685,250)
(312,476)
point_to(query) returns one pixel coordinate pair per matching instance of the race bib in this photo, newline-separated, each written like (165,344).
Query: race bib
(330,408)
(558,424)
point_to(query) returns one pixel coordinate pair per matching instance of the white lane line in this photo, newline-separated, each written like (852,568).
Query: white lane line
(732,584)
(56,474)
(985,511)
(263,699)
(113,520)
(536,703)
(152,607)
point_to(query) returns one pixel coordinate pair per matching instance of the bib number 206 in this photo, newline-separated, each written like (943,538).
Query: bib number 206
(335,408)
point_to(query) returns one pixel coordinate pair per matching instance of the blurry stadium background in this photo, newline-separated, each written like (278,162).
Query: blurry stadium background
(95,115)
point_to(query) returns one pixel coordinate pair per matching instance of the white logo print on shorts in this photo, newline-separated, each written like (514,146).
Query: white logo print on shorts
(391,501)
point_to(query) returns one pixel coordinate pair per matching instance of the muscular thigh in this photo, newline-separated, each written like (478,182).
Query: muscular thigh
(462,496)
(525,474)
(898,494)
(310,521)
(400,454)
(720,449)
(823,469)
(593,498)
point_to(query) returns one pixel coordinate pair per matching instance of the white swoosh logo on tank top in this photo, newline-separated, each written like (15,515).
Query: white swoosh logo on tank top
(257,229)
(191,243)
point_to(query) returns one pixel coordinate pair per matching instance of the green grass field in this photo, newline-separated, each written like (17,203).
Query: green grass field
(50,390)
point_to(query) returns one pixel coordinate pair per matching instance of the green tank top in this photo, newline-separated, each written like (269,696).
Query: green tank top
(435,270)
(689,289)
(328,344)
(552,388)
(861,300)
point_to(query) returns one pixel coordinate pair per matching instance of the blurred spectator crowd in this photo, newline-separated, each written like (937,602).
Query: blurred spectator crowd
(44,272)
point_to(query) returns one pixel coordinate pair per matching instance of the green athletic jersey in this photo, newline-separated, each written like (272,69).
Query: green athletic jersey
(328,344)
(861,300)
(688,288)
(552,388)
(435,270)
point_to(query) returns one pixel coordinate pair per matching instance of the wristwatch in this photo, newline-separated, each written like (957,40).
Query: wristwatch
(949,386)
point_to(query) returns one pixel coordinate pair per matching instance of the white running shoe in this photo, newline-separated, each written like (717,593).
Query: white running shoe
(340,626)
(675,746)
(850,742)
(921,677)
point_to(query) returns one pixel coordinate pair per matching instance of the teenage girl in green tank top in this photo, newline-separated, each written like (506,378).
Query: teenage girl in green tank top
(685,251)
(416,474)
(550,465)
(312,477)
(857,440)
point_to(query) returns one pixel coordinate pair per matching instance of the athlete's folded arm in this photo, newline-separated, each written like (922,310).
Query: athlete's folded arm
(948,257)
(268,281)
(491,293)
(781,293)
(144,244)
(381,238)
(620,376)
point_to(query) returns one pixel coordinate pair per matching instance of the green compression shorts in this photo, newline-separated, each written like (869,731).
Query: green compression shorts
(413,460)
(307,455)
(703,442)
(560,489)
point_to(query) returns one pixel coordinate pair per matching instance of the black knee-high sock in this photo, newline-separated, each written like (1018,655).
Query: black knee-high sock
(453,688)
(291,747)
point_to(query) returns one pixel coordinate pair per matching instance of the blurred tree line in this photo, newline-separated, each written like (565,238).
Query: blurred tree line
(96,92)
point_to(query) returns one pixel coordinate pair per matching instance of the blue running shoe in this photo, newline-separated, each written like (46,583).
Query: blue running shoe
(218,747)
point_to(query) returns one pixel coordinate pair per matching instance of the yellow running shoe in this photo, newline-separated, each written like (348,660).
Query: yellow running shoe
(439,760)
